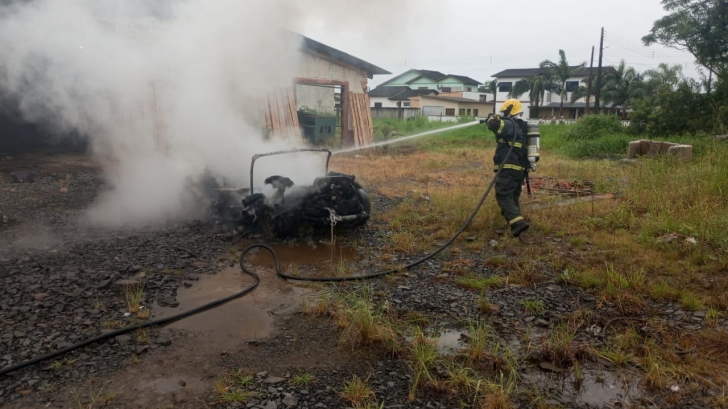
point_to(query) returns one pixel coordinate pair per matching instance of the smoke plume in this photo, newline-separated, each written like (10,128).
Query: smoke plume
(163,89)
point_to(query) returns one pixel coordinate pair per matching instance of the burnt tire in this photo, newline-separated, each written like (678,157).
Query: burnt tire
(366,204)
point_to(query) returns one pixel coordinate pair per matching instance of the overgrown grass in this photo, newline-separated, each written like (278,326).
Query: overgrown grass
(661,238)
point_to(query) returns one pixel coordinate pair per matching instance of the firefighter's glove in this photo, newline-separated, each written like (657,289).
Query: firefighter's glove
(493,122)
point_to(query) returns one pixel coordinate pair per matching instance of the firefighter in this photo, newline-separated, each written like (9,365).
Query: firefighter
(510,129)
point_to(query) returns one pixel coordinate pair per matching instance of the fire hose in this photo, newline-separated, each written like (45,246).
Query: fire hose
(256,281)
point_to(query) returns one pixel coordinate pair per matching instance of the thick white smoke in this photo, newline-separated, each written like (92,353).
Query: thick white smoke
(164,89)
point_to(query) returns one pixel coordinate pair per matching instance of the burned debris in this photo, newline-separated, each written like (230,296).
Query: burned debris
(334,199)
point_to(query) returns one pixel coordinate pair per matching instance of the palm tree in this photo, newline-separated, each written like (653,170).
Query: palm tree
(664,77)
(623,86)
(536,87)
(582,90)
(561,71)
(491,87)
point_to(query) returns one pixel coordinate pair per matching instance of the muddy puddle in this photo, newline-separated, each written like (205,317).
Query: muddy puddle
(175,384)
(238,321)
(450,341)
(597,388)
(312,260)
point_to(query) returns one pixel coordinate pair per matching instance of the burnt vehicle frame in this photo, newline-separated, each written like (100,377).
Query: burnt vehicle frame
(332,199)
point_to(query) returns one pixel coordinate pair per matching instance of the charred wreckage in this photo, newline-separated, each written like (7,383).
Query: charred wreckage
(334,199)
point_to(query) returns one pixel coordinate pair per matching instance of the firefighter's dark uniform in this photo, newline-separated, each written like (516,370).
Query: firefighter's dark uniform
(508,186)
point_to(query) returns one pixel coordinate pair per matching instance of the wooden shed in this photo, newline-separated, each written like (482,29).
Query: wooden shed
(325,71)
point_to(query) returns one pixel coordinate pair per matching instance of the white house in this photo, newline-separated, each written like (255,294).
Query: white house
(426,82)
(552,101)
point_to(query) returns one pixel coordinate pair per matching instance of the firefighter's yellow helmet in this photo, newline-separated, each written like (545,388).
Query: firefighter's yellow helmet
(514,105)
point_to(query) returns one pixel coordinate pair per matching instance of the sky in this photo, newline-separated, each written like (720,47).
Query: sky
(479,38)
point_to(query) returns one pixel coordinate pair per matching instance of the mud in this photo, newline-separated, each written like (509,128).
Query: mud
(240,320)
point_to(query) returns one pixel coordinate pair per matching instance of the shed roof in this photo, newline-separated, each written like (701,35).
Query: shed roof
(331,52)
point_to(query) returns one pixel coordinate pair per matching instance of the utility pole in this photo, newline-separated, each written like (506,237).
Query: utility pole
(599,72)
(588,84)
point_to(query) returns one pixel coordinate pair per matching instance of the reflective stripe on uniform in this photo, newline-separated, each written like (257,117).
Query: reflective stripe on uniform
(509,166)
(514,220)
(517,144)
(500,129)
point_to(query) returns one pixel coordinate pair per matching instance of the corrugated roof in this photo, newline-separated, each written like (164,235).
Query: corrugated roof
(433,75)
(406,94)
(385,91)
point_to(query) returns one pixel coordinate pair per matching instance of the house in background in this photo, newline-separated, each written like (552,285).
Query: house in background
(552,101)
(445,84)
(446,108)
(395,96)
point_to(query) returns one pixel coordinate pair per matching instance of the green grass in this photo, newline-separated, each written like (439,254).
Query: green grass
(534,307)
(476,282)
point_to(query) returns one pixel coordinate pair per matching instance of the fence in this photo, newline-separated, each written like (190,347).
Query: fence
(563,121)
(395,113)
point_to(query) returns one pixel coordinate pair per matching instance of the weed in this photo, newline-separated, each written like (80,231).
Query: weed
(498,260)
(477,342)
(111,324)
(559,347)
(535,307)
(460,380)
(134,294)
(475,282)
(362,322)
(234,387)
(319,304)
(144,313)
(577,241)
(356,390)
(50,387)
(303,379)
(712,317)
(142,336)
(690,301)
(615,356)
(416,318)
(424,355)
(484,304)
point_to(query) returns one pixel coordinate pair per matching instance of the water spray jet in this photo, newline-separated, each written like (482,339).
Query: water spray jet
(434,131)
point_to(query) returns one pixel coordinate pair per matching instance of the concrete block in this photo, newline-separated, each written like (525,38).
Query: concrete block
(684,152)
(633,149)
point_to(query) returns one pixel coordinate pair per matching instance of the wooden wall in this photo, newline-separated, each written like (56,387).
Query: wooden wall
(361,119)
(280,113)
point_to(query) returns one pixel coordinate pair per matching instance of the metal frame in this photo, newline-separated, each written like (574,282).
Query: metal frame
(260,155)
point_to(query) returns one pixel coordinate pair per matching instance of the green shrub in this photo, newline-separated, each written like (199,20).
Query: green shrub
(594,127)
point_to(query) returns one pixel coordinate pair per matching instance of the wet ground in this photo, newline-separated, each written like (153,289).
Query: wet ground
(64,281)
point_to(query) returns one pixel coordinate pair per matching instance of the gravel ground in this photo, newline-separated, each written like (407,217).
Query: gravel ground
(62,281)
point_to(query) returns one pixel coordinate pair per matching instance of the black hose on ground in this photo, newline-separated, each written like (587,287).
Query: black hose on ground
(125,330)
(256,278)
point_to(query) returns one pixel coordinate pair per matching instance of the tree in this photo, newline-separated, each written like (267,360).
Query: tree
(623,86)
(663,78)
(536,87)
(561,71)
(698,26)
(491,87)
